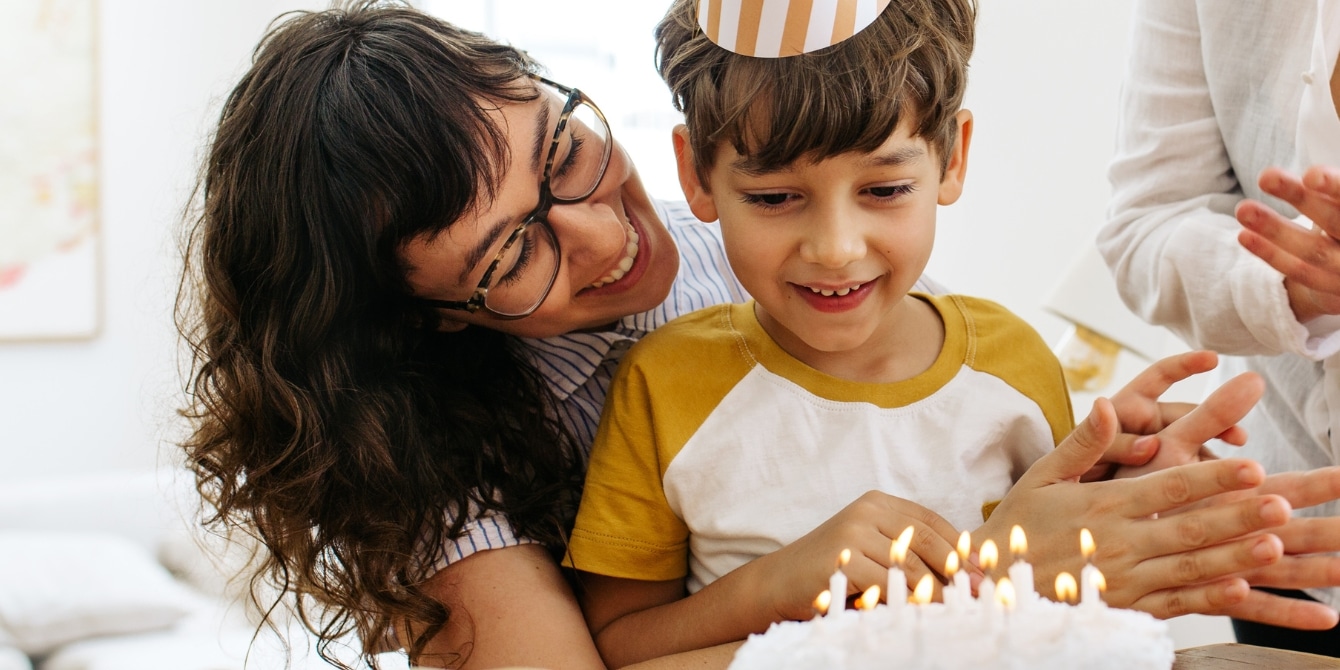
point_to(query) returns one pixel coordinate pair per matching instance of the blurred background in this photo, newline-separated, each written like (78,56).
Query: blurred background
(1043,87)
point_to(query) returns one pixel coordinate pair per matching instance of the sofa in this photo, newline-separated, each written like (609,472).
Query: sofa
(110,571)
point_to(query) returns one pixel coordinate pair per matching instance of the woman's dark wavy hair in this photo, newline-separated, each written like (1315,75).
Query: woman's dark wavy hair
(330,420)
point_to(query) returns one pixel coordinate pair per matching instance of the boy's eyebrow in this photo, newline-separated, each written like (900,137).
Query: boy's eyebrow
(897,157)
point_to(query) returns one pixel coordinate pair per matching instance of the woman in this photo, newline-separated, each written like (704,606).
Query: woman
(392,211)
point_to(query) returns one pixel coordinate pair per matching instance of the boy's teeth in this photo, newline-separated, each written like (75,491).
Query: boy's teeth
(828,293)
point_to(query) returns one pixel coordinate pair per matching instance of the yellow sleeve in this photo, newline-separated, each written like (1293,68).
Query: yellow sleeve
(625,526)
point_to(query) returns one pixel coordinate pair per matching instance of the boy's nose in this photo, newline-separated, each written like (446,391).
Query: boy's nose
(833,243)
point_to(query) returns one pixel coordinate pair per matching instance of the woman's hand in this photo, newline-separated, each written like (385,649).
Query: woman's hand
(1305,564)
(1189,562)
(1140,445)
(1308,259)
(868,527)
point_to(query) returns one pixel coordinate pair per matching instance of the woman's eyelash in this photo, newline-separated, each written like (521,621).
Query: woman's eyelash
(571,159)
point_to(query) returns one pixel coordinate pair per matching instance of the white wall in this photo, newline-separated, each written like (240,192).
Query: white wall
(106,403)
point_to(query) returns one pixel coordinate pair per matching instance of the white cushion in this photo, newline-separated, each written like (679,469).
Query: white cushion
(13,659)
(56,587)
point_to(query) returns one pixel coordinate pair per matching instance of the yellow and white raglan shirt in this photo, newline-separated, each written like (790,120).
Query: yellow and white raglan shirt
(716,446)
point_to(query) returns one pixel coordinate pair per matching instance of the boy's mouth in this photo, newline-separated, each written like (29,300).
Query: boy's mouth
(828,293)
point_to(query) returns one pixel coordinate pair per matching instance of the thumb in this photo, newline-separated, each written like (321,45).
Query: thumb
(1080,450)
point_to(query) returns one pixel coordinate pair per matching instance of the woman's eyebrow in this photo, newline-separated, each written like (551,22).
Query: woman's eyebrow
(482,247)
(541,137)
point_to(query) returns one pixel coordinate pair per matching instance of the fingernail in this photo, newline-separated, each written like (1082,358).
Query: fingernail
(1263,550)
(1246,475)
(1143,445)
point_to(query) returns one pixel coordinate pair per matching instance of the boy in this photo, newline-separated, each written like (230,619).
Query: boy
(734,432)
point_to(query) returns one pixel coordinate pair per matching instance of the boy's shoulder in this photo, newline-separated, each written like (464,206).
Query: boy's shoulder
(691,341)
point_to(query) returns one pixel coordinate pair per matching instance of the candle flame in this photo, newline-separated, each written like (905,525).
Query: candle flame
(1018,543)
(989,555)
(951,564)
(1086,544)
(898,553)
(1005,593)
(1099,581)
(844,558)
(925,590)
(822,601)
(869,599)
(1067,590)
(964,546)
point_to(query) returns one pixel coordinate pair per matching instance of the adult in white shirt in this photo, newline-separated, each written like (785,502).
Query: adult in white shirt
(1200,237)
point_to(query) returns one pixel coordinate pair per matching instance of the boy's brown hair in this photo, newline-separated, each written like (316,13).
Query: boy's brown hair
(910,64)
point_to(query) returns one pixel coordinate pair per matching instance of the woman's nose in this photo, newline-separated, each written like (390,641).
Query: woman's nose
(587,229)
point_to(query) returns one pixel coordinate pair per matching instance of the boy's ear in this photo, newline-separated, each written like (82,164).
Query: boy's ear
(956,168)
(700,201)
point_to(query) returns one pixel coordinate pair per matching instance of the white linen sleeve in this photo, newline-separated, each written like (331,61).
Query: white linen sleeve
(1171,238)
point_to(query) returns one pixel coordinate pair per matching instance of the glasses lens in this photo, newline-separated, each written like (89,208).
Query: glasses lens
(582,154)
(524,273)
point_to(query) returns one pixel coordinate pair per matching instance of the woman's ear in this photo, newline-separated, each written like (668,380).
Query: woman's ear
(450,325)
(699,199)
(956,168)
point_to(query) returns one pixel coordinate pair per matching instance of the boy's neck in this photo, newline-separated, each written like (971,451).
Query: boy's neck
(907,344)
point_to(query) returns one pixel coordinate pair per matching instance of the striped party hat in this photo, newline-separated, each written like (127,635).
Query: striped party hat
(781,28)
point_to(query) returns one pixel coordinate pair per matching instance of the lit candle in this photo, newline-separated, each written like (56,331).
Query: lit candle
(958,591)
(1091,581)
(964,547)
(925,591)
(822,601)
(1066,588)
(1021,573)
(837,585)
(989,556)
(897,587)
(868,599)
(1005,595)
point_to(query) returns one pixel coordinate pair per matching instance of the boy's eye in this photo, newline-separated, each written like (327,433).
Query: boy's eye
(886,192)
(766,199)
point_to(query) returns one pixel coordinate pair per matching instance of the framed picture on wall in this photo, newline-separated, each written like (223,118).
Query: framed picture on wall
(49,237)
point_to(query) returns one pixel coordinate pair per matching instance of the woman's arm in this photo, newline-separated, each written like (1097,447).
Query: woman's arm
(509,607)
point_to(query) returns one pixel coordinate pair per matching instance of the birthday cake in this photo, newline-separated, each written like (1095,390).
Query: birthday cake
(995,629)
(1038,635)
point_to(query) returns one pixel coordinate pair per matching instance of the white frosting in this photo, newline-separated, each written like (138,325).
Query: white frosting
(1037,635)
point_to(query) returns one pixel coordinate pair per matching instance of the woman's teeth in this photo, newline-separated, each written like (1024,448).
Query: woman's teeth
(829,293)
(630,254)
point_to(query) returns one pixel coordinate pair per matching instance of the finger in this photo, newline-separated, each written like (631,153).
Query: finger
(1078,452)
(1221,411)
(1305,489)
(1276,610)
(1206,598)
(1130,449)
(1156,379)
(1174,487)
(1174,534)
(1316,204)
(1307,257)
(1297,572)
(1324,179)
(1310,536)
